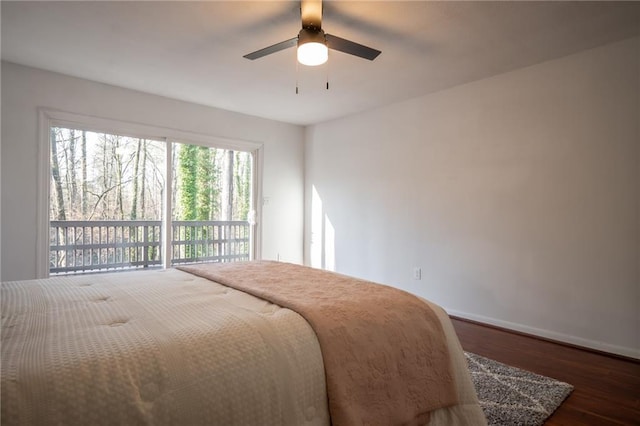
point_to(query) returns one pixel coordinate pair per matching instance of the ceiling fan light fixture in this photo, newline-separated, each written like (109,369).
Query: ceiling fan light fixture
(313,54)
(312,43)
(312,47)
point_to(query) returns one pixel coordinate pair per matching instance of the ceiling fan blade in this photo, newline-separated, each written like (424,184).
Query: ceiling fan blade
(272,49)
(311,14)
(351,47)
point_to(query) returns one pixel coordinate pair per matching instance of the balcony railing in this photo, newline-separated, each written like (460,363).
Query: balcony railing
(91,246)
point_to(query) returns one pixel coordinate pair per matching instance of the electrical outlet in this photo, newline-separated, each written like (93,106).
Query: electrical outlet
(417,273)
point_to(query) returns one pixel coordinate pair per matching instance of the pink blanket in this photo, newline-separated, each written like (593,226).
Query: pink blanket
(384,350)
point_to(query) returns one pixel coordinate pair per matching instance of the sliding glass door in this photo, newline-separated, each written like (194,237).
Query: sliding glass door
(211,204)
(120,202)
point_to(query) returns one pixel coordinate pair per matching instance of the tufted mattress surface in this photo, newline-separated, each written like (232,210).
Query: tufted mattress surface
(155,347)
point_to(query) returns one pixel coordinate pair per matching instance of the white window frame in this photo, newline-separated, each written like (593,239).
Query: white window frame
(48,118)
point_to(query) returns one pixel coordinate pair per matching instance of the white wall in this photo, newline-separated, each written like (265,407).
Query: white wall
(25,89)
(517,195)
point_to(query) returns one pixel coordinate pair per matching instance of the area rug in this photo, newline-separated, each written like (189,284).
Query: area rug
(511,396)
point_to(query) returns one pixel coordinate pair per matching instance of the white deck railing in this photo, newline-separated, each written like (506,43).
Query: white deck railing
(91,246)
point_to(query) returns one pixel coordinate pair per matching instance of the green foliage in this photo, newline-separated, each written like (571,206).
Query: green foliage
(188,172)
(204,183)
(242,185)
(112,177)
(201,175)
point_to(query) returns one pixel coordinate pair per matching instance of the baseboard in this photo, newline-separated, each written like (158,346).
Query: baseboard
(551,335)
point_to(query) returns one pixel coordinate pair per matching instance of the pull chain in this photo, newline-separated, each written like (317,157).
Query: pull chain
(297,72)
(328,70)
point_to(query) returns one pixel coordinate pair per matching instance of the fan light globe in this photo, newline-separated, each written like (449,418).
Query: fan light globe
(313,53)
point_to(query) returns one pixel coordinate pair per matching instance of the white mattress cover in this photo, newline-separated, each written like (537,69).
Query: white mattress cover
(155,347)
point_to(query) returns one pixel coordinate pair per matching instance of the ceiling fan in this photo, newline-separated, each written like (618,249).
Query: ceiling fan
(313,43)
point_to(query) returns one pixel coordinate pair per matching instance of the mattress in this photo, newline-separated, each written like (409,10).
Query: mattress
(169,347)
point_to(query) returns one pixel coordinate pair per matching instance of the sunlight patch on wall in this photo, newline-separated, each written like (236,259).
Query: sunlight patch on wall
(322,250)
(329,245)
(316,229)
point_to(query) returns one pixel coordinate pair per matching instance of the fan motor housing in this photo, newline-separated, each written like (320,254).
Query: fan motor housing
(307,35)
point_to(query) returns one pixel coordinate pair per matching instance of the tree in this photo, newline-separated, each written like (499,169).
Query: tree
(55,172)
(204,183)
(71,168)
(84,174)
(143,203)
(188,162)
(242,185)
(136,178)
(227,187)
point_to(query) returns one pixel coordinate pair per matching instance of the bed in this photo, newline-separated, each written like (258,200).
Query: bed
(208,344)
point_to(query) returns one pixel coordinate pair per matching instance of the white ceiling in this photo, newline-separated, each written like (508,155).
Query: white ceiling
(192,51)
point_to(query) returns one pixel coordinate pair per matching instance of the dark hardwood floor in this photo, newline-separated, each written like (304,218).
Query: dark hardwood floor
(607,388)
